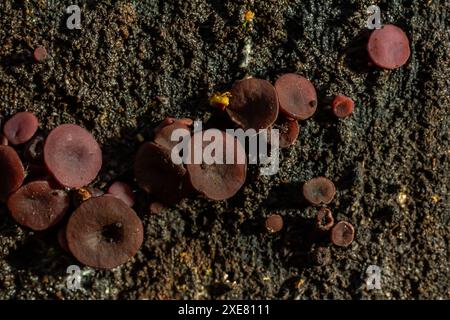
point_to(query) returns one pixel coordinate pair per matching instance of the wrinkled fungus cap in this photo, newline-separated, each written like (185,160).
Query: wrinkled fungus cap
(104,232)
(38,205)
(319,190)
(342,234)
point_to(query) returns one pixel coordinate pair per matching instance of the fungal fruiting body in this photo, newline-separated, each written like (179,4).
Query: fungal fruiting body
(342,106)
(253,104)
(12,171)
(388,47)
(342,234)
(104,232)
(297,96)
(217,181)
(21,127)
(38,205)
(319,190)
(72,155)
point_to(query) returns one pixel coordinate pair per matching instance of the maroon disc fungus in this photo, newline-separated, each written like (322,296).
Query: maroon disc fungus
(20,127)
(288,131)
(388,47)
(319,190)
(274,223)
(342,106)
(40,54)
(342,234)
(38,205)
(253,104)
(156,173)
(62,240)
(72,155)
(218,180)
(122,191)
(12,172)
(104,232)
(297,96)
(3,140)
(156,207)
(163,133)
(324,220)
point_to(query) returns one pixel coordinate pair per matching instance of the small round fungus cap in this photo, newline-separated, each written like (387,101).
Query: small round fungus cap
(253,104)
(122,191)
(163,133)
(104,232)
(274,223)
(12,172)
(157,174)
(324,219)
(20,127)
(297,96)
(388,47)
(342,106)
(38,205)
(319,190)
(72,155)
(342,234)
(214,176)
(288,131)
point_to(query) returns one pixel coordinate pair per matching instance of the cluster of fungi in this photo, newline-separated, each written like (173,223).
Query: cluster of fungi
(43,177)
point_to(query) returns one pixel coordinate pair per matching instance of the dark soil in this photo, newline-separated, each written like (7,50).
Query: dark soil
(131,66)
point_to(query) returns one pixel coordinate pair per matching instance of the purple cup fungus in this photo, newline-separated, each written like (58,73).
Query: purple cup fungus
(253,104)
(122,191)
(274,223)
(80,195)
(72,155)
(388,47)
(104,232)
(319,190)
(12,172)
(288,132)
(3,140)
(324,220)
(20,127)
(62,240)
(40,54)
(297,96)
(38,205)
(342,106)
(220,179)
(156,173)
(163,132)
(342,234)
(156,207)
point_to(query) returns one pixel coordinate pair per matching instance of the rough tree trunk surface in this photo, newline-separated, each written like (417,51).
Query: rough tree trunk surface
(132,65)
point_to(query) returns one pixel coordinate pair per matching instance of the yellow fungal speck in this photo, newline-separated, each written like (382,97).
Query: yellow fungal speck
(220,100)
(249,15)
